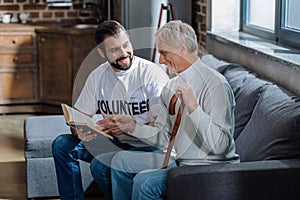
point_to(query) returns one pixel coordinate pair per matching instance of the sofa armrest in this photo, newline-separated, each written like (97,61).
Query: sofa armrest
(276,179)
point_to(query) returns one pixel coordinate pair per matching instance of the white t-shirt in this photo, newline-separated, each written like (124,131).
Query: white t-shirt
(132,92)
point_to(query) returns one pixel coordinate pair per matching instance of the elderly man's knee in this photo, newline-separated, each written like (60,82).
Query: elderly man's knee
(119,160)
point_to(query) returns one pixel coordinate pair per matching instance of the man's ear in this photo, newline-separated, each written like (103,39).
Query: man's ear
(182,47)
(101,52)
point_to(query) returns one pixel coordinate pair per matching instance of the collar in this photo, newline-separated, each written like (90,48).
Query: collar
(190,72)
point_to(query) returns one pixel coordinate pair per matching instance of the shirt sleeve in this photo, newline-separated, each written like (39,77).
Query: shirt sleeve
(86,101)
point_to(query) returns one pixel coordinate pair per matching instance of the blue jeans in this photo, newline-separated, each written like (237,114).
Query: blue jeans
(138,175)
(66,150)
(101,169)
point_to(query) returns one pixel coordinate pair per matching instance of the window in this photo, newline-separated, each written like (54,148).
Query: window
(291,15)
(225,15)
(277,20)
(261,14)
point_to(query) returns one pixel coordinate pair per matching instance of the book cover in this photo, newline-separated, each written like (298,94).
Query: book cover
(78,120)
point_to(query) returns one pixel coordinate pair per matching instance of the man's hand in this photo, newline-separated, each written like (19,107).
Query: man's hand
(117,124)
(188,97)
(85,136)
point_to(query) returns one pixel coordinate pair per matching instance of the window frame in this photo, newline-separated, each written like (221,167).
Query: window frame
(281,34)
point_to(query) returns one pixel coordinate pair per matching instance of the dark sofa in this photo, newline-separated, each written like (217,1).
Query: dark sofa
(267,136)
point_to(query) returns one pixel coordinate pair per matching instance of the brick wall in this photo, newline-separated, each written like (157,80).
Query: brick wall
(41,13)
(199,21)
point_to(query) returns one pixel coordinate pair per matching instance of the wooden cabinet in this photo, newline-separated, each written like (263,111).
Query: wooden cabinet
(60,56)
(18,69)
(39,64)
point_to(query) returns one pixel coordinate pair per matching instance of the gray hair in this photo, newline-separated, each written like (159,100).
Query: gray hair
(175,32)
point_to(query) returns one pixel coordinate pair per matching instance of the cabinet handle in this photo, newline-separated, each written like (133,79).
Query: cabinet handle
(17,77)
(15,59)
(14,42)
(42,39)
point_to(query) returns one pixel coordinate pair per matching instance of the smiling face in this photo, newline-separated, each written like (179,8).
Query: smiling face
(169,56)
(118,51)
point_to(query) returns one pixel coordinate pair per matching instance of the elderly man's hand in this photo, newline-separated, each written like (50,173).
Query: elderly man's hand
(188,97)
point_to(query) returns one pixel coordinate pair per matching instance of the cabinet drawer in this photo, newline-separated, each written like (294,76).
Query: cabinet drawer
(17,58)
(17,85)
(16,40)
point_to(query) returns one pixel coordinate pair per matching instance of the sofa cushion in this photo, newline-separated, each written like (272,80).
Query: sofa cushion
(215,63)
(245,85)
(40,131)
(246,88)
(273,131)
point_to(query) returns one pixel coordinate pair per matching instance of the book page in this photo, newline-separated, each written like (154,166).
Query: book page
(78,120)
(73,115)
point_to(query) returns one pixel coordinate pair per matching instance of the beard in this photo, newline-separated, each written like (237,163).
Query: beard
(118,66)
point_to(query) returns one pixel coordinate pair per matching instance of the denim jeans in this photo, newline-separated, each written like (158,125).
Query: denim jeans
(66,150)
(101,169)
(138,175)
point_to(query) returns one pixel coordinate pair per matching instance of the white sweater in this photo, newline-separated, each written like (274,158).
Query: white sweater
(205,135)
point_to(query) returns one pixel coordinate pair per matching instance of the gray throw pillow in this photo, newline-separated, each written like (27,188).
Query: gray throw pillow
(246,88)
(273,131)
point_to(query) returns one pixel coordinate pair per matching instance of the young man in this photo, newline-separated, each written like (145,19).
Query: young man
(125,84)
(205,134)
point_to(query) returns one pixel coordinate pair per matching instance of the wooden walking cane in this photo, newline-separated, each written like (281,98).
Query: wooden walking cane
(175,127)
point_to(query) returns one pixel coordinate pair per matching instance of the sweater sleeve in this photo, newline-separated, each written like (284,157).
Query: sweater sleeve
(158,133)
(214,119)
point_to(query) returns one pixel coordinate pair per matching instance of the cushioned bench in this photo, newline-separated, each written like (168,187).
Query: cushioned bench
(39,132)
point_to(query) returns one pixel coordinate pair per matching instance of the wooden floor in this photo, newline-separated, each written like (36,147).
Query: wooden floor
(12,162)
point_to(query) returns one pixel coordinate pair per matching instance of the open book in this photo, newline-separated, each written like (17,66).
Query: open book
(79,120)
